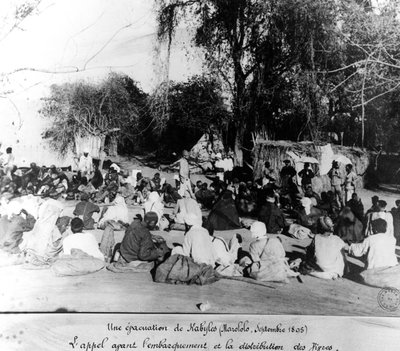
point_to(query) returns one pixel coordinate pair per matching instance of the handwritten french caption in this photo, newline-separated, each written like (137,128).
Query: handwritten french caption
(206,335)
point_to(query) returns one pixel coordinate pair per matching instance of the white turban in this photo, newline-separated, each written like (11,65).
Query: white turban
(192,219)
(258,230)
(306,203)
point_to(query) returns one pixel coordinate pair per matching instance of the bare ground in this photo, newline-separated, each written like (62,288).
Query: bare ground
(25,290)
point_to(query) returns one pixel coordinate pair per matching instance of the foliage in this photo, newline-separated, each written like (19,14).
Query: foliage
(81,108)
(195,106)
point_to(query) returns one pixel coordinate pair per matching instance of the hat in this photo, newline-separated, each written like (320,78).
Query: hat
(150,217)
(258,230)
(325,223)
(286,161)
(192,219)
(76,225)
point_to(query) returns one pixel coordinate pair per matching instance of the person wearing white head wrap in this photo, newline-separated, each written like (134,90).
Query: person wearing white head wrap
(258,230)
(306,203)
(268,255)
(197,242)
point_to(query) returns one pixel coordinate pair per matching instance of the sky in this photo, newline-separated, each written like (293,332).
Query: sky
(92,36)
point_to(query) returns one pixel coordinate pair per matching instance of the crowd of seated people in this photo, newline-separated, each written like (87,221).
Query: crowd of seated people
(274,202)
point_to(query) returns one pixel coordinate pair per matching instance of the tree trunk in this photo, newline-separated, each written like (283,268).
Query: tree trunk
(102,154)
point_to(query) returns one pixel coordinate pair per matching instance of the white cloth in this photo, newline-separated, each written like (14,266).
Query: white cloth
(45,233)
(380,249)
(258,230)
(83,241)
(118,211)
(225,255)
(85,164)
(154,204)
(197,245)
(387,216)
(185,206)
(328,253)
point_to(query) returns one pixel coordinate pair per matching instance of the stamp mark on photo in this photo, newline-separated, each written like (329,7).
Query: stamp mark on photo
(389,299)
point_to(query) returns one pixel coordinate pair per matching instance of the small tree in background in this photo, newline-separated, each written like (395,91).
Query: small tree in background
(113,106)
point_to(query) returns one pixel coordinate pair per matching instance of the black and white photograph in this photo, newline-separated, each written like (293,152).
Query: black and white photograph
(165,161)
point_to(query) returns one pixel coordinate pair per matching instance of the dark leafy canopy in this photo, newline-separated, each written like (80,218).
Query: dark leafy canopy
(306,64)
(195,106)
(81,108)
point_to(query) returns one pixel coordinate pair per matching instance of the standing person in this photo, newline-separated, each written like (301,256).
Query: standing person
(396,220)
(336,182)
(306,175)
(184,174)
(8,163)
(85,164)
(349,182)
(286,173)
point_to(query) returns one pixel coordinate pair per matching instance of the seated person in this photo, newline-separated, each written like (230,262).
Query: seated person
(268,256)
(325,254)
(379,213)
(379,247)
(138,245)
(154,204)
(85,242)
(170,195)
(183,207)
(197,242)
(85,208)
(310,193)
(97,179)
(271,215)
(205,196)
(224,215)
(245,200)
(156,182)
(356,206)
(349,227)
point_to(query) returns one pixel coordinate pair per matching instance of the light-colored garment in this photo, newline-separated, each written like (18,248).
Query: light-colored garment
(45,239)
(225,255)
(269,261)
(154,204)
(387,216)
(118,211)
(29,203)
(82,241)
(185,206)
(184,170)
(85,164)
(328,253)
(197,245)
(380,249)
(299,232)
(260,251)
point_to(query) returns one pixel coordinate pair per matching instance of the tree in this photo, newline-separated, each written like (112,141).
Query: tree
(195,107)
(113,106)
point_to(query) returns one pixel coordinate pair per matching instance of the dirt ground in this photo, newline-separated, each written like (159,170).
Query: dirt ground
(24,290)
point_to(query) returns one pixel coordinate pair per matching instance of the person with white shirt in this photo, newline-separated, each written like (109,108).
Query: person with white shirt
(85,164)
(379,247)
(197,242)
(85,242)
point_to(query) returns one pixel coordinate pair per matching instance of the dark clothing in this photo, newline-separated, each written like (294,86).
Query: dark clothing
(97,180)
(205,197)
(273,218)
(306,175)
(287,171)
(396,223)
(86,210)
(137,244)
(224,215)
(357,208)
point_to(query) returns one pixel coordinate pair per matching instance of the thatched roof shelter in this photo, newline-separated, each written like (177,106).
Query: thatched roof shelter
(277,151)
